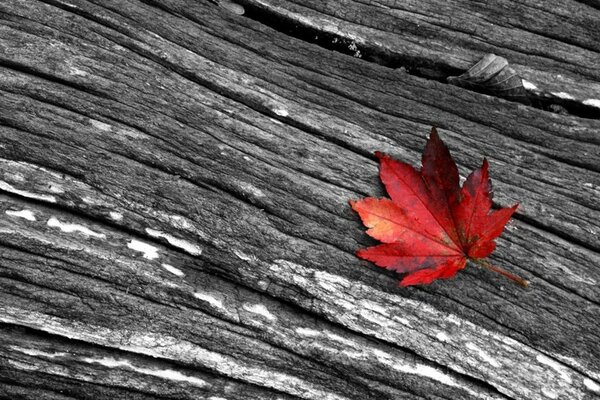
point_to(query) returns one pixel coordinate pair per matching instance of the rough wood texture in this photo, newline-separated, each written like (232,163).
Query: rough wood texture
(174,218)
(554,45)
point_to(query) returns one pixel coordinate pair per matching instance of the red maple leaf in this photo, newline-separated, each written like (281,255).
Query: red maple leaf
(431,226)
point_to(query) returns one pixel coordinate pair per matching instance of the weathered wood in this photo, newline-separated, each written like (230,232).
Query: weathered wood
(553,45)
(174,220)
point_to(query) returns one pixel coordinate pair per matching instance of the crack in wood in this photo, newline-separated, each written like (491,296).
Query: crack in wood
(133,183)
(420,67)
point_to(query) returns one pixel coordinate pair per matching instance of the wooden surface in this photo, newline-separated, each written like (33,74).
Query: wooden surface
(174,182)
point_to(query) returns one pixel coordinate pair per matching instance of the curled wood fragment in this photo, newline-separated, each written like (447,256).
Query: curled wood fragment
(492,74)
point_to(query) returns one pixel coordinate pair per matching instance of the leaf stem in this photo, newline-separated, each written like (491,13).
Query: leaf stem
(515,278)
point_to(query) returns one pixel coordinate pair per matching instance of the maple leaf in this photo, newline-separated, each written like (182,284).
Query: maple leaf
(430,227)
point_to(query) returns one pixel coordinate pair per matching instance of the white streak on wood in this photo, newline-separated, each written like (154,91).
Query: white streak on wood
(562,370)
(262,284)
(507,351)
(56,189)
(210,299)
(168,374)
(307,332)
(330,282)
(573,363)
(243,256)
(375,308)
(184,245)
(115,216)
(578,277)
(168,347)
(251,189)
(16,176)
(173,270)
(89,200)
(563,95)
(282,112)
(150,252)
(27,214)
(592,102)
(100,125)
(25,366)
(528,85)
(38,353)
(483,355)
(180,222)
(432,373)
(551,394)
(375,318)
(340,339)
(70,228)
(11,189)
(453,319)
(442,337)
(77,72)
(259,309)
(415,369)
(591,385)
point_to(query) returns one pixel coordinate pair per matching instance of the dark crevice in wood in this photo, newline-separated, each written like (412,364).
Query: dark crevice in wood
(412,65)
(420,67)
(592,3)
(548,102)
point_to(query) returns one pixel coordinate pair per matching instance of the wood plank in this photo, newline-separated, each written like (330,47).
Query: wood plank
(553,45)
(227,151)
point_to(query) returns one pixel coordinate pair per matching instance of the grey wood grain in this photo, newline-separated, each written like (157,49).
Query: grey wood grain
(553,45)
(174,218)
